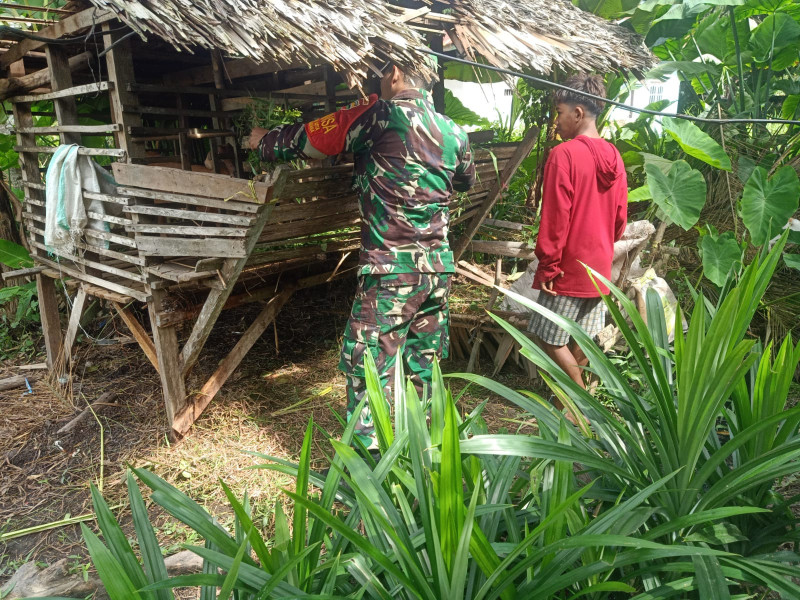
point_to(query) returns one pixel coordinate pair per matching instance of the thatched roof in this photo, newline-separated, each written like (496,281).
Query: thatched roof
(355,35)
(348,34)
(537,35)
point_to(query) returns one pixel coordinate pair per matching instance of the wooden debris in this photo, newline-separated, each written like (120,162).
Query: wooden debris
(104,399)
(33,367)
(17,381)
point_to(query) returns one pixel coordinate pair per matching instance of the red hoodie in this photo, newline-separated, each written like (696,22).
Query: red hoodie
(584,211)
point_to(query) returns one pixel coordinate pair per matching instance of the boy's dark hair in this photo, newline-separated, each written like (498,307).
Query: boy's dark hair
(592,84)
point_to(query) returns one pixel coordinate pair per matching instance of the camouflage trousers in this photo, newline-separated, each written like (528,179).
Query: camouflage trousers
(397,312)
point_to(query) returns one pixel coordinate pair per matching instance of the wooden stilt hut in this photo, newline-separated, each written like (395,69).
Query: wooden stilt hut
(189,232)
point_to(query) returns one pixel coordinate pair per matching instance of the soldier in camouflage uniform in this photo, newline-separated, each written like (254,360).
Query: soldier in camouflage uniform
(409,160)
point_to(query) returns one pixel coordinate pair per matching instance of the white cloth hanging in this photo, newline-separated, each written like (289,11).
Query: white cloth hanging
(69,174)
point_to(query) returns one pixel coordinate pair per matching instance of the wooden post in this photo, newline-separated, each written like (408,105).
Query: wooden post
(120,71)
(165,340)
(183,138)
(45,286)
(436,42)
(61,78)
(218,68)
(74,322)
(183,420)
(51,323)
(522,152)
(330,89)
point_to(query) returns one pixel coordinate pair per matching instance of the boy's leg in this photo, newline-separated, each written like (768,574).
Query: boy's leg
(556,342)
(569,363)
(577,352)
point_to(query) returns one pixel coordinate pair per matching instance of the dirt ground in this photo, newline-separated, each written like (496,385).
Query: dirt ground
(289,376)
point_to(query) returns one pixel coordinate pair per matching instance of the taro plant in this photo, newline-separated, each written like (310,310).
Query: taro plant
(723,492)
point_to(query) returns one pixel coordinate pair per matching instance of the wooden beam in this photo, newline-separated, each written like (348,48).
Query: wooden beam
(514,226)
(63,270)
(37,79)
(119,62)
(174,317)
(113,152)
(17,274)
(155,245)
(66,91)
(232,69)
(26,20)
(165,340)
(85,129)
(74,322)
(211,185)
(139,333)
(496,189)
(502,248)
(51,322)
(229,273)
(186,417)
(36,9)
(162,196)
(87,18)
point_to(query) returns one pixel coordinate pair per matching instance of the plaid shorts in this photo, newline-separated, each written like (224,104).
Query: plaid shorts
(589,313)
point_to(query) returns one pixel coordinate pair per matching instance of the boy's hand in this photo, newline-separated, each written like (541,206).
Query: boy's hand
(547,286)
(255,137)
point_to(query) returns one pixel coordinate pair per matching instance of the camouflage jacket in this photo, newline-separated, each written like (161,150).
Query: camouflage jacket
(409,160)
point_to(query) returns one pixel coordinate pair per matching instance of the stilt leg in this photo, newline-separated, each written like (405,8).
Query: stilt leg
(51,324)
(74,322)
(170,369)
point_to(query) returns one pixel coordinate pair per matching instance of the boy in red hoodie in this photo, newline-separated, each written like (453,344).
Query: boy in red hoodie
(584,211)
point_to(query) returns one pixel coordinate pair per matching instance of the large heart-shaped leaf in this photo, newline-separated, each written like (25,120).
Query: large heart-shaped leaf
(458,112)
(687,68)
(681,193)
(661,163)
(719,255)
(640,194)
(773,33)
(14,256)
(789,106)
(792,260)
(767,204)
(695,142)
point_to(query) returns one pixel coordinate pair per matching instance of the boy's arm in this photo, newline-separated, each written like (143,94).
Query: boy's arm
(621,217)
(555,220)
(464,178)
(350,129)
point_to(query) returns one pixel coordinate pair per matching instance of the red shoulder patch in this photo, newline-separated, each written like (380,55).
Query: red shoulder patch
(328,134)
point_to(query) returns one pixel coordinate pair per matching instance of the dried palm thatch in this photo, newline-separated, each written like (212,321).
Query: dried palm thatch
(351,35)
(538,35)
(355,35)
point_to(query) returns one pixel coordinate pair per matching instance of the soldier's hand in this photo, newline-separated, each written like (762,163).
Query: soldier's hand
(255,137)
